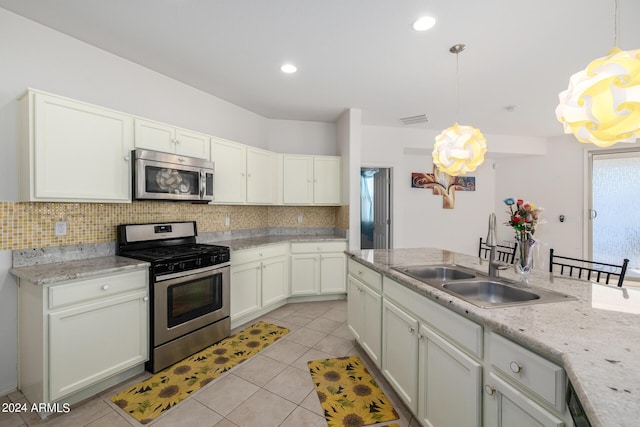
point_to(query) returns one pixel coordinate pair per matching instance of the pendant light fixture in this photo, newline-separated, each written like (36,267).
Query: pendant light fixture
(602,104)
(459,149)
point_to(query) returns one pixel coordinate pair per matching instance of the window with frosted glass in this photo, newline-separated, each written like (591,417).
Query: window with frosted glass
(616,209)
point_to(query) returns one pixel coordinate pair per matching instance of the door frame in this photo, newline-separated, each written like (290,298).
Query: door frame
(587,228)
(391,195)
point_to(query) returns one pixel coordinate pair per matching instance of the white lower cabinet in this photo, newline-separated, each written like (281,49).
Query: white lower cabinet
(79,334)
(437,381)
(521,387)
(94,341)
(318,268)
(447,369)
(505,405)
(259,278)
(246,281)
(274,280)
(365,317)
(400,352)
(449,383)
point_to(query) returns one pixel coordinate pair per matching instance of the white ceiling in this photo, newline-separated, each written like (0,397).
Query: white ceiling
(360,53)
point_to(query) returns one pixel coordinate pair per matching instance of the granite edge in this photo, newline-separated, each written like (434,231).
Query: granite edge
(54,273)
(56,254)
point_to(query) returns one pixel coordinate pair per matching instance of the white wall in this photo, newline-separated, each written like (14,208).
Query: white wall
(555,182)
(8,322)
(418,217)
(35,56)
(349,141)
(299,137)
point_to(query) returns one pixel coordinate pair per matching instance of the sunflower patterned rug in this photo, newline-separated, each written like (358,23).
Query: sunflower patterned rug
(348,394)
(164,390)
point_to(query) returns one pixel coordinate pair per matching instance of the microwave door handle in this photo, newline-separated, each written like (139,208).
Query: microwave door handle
(203,184)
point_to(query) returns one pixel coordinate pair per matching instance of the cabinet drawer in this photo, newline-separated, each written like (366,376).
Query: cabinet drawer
(318,247)
(259,253)
(537,374)
(462,331)
(99,287)
(365,275)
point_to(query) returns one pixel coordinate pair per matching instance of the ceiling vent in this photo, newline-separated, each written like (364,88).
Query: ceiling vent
(412,120)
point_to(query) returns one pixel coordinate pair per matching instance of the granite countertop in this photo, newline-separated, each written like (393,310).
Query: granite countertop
(252,242)
(595,338)
(50,274)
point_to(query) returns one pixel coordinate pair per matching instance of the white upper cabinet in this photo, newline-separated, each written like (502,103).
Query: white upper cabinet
(311,180)
(169,139)
(260,175)
(243,174)
(327,181)
(297,179)
(230,162)
(73,151)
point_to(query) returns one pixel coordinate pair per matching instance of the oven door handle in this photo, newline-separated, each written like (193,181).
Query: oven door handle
(192,274)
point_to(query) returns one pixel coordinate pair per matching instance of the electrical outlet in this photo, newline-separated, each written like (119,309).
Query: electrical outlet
(227,221)
(300,218)
(61,228)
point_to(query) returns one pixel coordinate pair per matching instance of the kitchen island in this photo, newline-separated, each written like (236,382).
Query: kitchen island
(596,338)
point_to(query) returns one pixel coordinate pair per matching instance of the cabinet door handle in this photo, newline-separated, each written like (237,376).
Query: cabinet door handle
(177,141)
(126,158)
(360,273)
(420,337)
(516,368)
(105,287)
(411,329)
(145,299)
(490,390)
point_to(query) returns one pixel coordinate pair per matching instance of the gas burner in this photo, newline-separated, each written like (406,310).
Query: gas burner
(170,248)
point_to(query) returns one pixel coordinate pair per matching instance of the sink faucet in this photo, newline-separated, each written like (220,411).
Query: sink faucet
(492,241)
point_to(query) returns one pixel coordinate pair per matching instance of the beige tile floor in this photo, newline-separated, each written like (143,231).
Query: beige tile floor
(271,389)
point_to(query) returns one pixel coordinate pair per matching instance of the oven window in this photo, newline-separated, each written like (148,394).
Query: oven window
(173,181)
(193,299)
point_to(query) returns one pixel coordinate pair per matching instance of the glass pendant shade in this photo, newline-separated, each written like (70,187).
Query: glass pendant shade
(459,149)
(602,104)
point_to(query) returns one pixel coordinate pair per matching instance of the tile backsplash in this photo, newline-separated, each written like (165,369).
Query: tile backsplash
(31,225)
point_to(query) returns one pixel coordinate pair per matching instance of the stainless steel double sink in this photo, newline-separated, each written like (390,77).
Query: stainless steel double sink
(480,289)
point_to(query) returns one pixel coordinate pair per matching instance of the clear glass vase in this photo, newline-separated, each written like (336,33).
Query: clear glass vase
(524,262)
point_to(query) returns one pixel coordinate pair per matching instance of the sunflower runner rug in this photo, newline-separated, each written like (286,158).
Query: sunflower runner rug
(164,390)
(348,394)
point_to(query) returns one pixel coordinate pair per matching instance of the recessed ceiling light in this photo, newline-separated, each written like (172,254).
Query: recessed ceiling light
(424,23)
(289,68)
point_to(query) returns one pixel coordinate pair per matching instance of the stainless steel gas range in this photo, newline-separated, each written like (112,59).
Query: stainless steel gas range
(189,287)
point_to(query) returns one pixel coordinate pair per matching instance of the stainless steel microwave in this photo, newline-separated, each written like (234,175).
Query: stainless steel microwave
(165,176)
